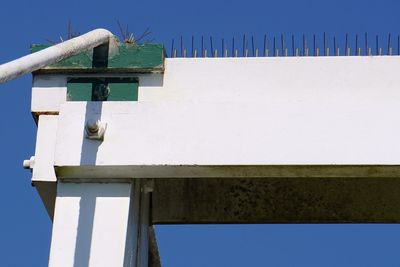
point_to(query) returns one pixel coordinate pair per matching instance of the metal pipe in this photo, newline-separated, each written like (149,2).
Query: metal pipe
(53,54)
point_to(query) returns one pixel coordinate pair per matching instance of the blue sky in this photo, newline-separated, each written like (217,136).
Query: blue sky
(25,228)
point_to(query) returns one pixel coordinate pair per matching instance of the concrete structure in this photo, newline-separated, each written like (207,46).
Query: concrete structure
(214,140)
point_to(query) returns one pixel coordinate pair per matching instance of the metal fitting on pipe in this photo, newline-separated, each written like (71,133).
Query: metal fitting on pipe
(53,54)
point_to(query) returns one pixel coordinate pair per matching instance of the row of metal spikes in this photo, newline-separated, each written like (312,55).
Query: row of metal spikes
(280,48)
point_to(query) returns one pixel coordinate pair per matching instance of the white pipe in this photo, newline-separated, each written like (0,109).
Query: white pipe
(53,54)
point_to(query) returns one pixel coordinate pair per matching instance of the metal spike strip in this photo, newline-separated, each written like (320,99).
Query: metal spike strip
(265,46)
(193,53)
(246,54)
(398,45)
(211,47)
(358,49)
(335,48)
(182,48)
(202,47)
(244,45)
(233,47)
(315,49)
(172,48)
(295,47)
(223,47)
(326,48)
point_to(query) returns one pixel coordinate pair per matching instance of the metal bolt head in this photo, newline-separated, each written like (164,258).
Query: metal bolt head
(93,126)
(95,130)
(28,163)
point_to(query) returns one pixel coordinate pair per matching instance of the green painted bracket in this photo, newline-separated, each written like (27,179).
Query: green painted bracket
(127,58)
(102,89)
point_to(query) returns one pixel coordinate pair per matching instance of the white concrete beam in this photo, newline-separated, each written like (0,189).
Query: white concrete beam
(313,131)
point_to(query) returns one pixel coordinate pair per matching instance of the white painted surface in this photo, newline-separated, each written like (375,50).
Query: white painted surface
(132,234)
(243,111)
(281,78)
(90,225)
(248,80)
(65,226)
(43,169)
(110,228)
(211,112)
(277,131)
(48,93)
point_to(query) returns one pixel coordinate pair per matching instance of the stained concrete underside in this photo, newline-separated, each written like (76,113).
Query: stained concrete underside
(276,200)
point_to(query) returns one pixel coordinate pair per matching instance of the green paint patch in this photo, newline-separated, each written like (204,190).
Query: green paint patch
(127,58)
(102,89)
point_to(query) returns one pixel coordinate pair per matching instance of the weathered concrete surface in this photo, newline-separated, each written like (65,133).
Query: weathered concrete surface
(276,200)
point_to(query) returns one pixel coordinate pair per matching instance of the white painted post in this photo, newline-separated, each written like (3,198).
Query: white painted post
(96,224)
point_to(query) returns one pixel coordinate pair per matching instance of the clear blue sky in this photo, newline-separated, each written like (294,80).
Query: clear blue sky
(25,228)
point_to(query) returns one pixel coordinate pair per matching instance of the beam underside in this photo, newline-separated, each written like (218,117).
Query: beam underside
(276,200)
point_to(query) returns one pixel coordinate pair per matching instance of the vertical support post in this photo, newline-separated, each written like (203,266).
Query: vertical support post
(132,234)
(143,249)
(100,224)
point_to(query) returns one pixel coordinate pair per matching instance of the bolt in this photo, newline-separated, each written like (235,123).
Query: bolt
(28,163)
(93,126)
(95,130)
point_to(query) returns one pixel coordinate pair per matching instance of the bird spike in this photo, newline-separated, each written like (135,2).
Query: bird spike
(297,46)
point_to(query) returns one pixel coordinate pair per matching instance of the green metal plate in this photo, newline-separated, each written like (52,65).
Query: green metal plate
(86,89)
(127,58)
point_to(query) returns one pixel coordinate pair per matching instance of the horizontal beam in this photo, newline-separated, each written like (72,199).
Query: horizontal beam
(230,134)
(221,171)
(276,200)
